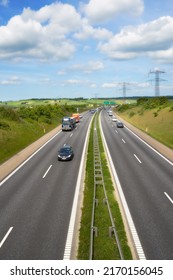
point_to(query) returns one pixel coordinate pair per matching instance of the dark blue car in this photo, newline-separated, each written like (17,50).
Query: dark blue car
(65,153)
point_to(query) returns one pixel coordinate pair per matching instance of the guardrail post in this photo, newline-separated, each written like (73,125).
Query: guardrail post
(111,231)
(95,231)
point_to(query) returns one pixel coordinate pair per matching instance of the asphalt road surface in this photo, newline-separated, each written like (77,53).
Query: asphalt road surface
(147,182)
(36,201)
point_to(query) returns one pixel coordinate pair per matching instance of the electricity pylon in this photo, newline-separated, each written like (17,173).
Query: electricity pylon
(157,73)
(124,85)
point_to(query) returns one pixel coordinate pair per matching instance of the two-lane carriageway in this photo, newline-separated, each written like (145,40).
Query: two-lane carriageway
(146,178)
(36,201)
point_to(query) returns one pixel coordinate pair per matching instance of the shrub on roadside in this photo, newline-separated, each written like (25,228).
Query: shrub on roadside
(4,125)
(131,114)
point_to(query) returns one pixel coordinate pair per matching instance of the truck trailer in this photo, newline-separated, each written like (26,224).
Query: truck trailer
(76,116)
(68,123)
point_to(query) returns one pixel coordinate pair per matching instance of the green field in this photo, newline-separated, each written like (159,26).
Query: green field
(61,102)
(36,102)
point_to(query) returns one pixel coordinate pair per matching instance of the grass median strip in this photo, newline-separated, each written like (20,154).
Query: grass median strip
(104,246)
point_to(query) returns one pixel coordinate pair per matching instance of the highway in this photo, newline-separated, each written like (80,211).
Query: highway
(36,201)
(146,179)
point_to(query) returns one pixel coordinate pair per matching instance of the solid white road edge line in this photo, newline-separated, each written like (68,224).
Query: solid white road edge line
(149,146)
(137,158)
(170,199)
(47,171)
(23,163)
(68,245)
(131,225)
(5,237)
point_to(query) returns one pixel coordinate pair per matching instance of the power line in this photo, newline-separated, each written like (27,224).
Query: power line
(124,87)
(157,79)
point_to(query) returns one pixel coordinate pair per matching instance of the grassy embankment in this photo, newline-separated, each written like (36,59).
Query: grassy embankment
(153,116)
(20,126)
(105,247)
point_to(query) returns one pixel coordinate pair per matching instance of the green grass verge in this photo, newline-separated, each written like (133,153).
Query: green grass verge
(157,122)
(105,247)
(19,135)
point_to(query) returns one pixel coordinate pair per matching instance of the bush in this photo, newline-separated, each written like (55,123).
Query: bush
(45,120)
(142,100)
(123,108)
(4,125)
(9,113)
(131,114)
(156,102)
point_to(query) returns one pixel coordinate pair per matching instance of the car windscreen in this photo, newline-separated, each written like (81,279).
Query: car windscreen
(65,150)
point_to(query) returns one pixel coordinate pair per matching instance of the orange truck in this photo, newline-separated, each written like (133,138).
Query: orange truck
(76,116)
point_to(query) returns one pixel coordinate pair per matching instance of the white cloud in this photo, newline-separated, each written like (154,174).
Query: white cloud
(132,84)
(79,82)
(61,73)
(50,34)
(109,85)
(88,68)
(93,85)
(43,34)
(10,81)
(153,39)
(98,11)
(74,82)
(4,3)
(163,56)
(47,34)
(62,17)
(45,80)
(87,31)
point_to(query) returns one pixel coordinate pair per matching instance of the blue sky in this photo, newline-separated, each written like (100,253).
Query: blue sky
(87,48)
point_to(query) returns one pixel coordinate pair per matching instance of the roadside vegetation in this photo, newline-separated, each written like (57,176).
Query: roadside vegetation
(20,126)
(23,122)
(152,115)
(105,247)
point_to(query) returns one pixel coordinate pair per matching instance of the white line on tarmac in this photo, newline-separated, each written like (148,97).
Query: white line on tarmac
(123,141)
(47,171)
(6,236)
(170,199)
(137,158)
